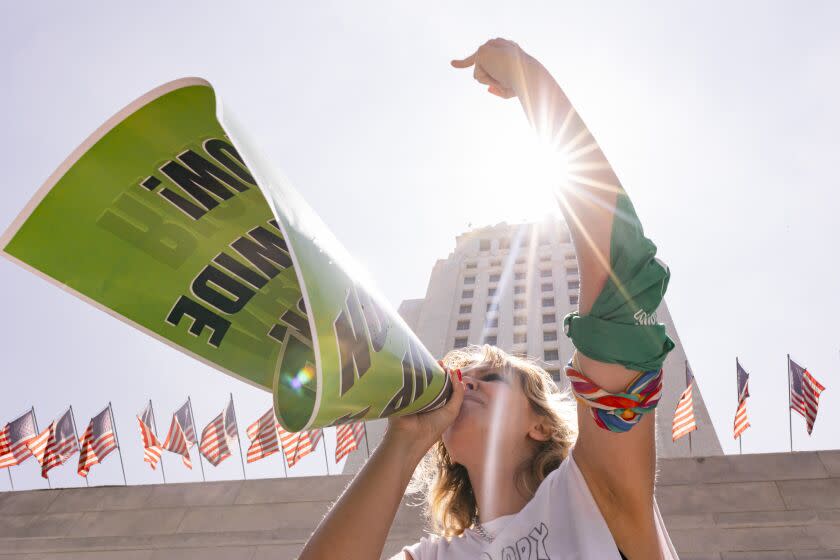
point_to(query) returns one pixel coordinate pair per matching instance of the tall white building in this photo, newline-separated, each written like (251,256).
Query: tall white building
(511,286)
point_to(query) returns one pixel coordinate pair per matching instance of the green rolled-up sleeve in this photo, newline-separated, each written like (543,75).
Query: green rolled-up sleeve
(621,327)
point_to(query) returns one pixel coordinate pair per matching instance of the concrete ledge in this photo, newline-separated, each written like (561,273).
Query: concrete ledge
(743,468)
(772,506)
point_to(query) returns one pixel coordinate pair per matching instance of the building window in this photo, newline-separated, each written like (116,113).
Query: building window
(484,245)
(519,289)
(520,320)
(554,373)
(469,279)
(549,336)
(574,284)
(572,272)
(520,338)
(520,260)
(491,339)
(519,304)
(460,342)
(545,273)
(546,287)
(519,276)
(472,265)
(504,243)
(570,256)
(492,306)
(549,318)
(495,263)
(495,277)
(467,308)
(551,355)
(466,294)
(493,322)
(491,291)
(463,325)
(548,302)
(573,299)
(545,258)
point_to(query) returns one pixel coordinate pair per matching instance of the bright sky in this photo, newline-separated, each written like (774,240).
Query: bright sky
(720,119)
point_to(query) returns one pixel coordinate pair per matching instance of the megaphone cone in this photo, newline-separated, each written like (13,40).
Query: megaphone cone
(219,257)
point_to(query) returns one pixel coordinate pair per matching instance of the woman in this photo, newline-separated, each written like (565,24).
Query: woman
(512,475)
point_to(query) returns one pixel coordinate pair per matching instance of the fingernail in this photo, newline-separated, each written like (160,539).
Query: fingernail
(458,371)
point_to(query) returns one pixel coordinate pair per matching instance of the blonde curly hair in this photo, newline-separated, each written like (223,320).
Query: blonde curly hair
(448,500)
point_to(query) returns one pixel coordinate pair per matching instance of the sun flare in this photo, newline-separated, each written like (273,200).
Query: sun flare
(523,172)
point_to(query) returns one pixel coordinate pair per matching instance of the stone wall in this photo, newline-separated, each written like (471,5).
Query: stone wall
(775,506)
(769,507)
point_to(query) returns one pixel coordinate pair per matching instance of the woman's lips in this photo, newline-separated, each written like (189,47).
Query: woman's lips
(470,397)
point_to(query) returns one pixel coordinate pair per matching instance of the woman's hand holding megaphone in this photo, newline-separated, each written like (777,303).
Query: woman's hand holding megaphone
(426,428)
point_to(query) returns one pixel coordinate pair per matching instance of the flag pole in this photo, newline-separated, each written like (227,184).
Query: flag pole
(154,423)
(790,416)
(324,445)
(76,431)
(116,437)
(687,383)
(238,437)
(740,447)
(195,429)
(366,440)
(282,449)
(35,419)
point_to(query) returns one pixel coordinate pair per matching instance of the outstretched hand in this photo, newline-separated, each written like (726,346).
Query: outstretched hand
(500,65)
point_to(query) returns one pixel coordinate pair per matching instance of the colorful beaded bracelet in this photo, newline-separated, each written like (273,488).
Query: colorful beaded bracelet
(617,412)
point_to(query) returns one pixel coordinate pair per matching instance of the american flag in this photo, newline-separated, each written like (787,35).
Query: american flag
(684,422)
(176,441)
(185,419)
(263,436)
(56,444)
(98,441)
(297,445)
(231,428)
(151,445)
(13,439)
(214,441)
(804,393)
(348,437)
(741,421)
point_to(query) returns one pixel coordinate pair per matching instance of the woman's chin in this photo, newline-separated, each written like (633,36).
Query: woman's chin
(461,428)
(466,414)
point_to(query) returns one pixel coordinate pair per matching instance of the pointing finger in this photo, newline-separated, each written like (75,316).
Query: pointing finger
(466,62)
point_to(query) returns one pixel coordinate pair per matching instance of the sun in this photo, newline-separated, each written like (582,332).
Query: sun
(522,172)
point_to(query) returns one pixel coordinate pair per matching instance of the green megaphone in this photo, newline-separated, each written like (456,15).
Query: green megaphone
(182,230)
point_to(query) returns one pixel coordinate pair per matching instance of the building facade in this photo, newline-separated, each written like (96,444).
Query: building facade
(511,286)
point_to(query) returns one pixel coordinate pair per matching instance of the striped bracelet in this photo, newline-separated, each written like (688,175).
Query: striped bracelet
(616,412)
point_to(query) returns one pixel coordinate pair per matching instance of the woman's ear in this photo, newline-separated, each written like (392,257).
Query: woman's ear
(540,430)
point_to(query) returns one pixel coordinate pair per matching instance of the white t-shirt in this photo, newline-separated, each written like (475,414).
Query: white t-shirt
(561,522)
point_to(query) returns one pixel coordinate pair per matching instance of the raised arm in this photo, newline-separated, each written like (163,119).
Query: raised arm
(621,282)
